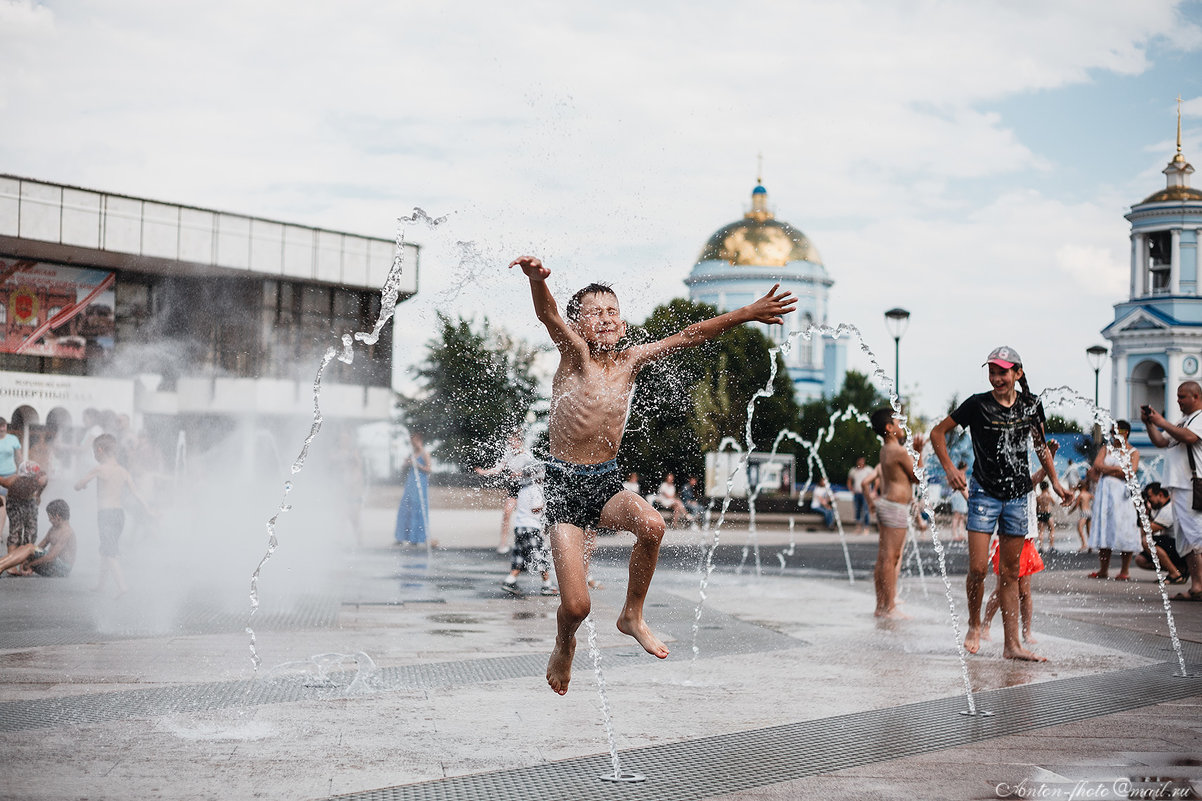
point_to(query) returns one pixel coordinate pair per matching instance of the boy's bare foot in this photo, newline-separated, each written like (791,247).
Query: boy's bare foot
(972,640)
(891,614)
(637,628)
(559,666)
(1024,655)
(1027,637)
(985,633)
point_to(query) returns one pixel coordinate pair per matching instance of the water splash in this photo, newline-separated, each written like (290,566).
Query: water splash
(882,378)
(329,671)
(595,652)
(390,293)
(1057,397)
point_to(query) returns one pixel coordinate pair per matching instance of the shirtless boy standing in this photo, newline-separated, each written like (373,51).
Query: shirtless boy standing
(590,397)
(112,481)
(897,480)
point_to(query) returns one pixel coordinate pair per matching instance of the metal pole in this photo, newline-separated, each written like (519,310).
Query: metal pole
(1096,374)
(897,367)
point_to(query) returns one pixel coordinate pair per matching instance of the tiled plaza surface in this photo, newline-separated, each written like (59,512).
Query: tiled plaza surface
(407,673)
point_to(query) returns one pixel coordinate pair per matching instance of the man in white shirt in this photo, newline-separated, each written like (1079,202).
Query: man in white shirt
(1181,441)
(855,482)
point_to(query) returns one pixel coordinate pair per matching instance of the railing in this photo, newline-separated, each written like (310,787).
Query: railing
(65,215)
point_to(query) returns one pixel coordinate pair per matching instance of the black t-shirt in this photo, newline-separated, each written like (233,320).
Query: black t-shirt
(1000,438)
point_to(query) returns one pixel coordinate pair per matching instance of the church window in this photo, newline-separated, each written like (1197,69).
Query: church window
(807,342)
(1160,261)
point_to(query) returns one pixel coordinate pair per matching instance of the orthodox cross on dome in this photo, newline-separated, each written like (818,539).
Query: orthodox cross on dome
(759,157)
(759,195)
(1178,171)
(1179,157)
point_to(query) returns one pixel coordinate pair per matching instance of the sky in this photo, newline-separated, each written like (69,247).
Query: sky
(970,162)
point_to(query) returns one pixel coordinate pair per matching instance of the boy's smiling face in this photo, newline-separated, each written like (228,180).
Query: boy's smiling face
(600,321)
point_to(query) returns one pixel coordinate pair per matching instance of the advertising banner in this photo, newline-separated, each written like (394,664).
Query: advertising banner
(52,310)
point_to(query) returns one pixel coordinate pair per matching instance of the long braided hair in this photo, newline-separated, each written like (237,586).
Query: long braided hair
(1027,396)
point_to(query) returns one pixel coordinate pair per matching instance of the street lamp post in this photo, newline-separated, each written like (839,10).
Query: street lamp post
(1096,354)
(896,321)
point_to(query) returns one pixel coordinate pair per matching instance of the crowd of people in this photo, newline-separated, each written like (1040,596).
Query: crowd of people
(998,507)
(97,451)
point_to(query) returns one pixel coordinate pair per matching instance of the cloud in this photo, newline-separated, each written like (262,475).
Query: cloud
(611,141)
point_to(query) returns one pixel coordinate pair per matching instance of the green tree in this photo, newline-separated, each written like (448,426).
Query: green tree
(1056,424)
(474,388)
(686,403)
(851,438)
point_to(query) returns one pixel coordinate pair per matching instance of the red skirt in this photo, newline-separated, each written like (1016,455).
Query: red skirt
(1029,561)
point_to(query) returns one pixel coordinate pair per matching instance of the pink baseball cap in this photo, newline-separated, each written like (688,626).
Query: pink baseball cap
(1004,357)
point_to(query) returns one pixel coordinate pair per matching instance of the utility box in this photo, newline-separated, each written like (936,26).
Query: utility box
(771,474)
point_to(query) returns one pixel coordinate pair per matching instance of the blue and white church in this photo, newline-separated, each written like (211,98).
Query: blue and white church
(1156,336)
(741,261)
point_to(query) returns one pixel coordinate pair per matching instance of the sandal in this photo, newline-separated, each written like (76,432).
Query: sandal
(1098,575)
(1176,580)
(1194,595)
(1122,578)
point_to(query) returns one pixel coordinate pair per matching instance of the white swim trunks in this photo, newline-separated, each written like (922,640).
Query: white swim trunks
(892,514)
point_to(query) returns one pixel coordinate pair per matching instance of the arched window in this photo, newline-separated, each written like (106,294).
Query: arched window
(1147,387)
(806,356)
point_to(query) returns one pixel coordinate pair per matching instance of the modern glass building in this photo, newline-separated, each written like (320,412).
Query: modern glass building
(181,319)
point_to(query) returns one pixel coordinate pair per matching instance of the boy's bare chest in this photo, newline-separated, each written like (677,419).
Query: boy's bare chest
(598,384)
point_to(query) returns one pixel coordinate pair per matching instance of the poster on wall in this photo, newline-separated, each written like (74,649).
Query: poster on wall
(52,310)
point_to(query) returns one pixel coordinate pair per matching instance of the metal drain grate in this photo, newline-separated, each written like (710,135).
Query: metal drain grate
(730,763)
(1141,643)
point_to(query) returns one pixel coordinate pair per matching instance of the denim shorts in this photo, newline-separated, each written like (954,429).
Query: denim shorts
(986,513)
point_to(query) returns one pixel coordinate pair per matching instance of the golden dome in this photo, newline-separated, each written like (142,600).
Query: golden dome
(759,243)
(759,240)
(1174,193)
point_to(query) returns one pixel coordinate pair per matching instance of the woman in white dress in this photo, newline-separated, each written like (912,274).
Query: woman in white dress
(1114,525)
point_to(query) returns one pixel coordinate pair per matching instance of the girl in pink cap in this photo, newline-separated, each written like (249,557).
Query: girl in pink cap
(1002,422)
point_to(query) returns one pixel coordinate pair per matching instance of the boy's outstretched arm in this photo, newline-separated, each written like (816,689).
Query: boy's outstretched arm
(545,307)
(769,309)
(87,478)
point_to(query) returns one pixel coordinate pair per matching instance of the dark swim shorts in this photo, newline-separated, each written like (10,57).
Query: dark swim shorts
(110,522)
(576,493)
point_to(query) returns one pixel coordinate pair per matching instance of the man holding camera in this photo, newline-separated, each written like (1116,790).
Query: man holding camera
(1183,457)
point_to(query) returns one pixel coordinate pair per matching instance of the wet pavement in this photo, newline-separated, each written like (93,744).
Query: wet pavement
(409,673)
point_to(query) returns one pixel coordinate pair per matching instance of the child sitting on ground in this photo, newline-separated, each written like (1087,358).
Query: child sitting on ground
(54,556)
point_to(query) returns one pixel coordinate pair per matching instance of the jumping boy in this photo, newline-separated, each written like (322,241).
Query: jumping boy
(111,482)
(590,396)
(897,481)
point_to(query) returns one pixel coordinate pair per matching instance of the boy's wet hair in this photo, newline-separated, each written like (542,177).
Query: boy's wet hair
(105,443)
(880,419)
(1043,485)
(595,288)
(58,508)
(1122,425)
